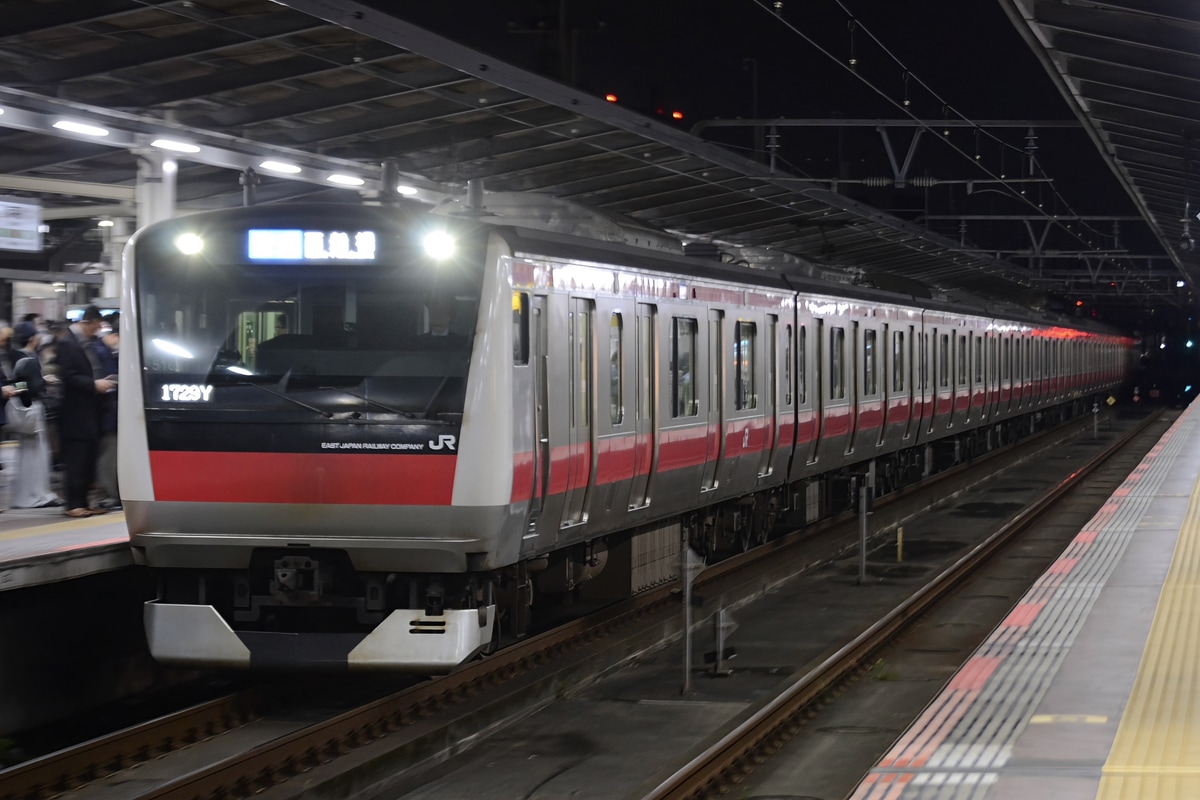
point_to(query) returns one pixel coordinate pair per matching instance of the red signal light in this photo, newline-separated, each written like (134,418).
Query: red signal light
(610,97)
(1079,304)
(676,115)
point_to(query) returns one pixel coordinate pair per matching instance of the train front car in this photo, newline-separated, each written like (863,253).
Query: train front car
(294,385)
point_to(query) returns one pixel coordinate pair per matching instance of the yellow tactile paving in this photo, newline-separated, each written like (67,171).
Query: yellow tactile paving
(59,527)
(1156,753)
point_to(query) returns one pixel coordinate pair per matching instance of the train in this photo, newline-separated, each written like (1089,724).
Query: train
(372,437)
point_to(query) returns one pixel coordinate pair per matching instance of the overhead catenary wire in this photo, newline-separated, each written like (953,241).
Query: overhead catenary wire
(854,25)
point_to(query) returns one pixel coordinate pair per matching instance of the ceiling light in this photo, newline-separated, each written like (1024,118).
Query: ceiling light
(81,127)
(176,146)
(280,166)
(407,191)
(172,349)
(105,223)
(346,180)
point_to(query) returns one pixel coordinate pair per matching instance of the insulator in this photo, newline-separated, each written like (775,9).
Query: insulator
(924,182)
(877,182)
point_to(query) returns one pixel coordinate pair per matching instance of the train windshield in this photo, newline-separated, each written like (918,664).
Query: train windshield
(387,336)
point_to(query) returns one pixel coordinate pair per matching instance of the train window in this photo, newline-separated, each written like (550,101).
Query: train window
(943,361)
(520,313)
(870,383)
(923,365)
(802,365)
(962,360)
(580,327)
(772,360)
(615,369)
(837,363)
(787,365)
(645,363)
(743,365)
(898,369)
(683,364)
(716,361)
(978,359)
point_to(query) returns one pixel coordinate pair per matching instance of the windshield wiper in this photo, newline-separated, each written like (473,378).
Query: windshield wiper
(405,414)
(281,395)
(434,397)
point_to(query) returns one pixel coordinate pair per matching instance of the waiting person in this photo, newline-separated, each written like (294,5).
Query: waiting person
(31,486)
(84,387)
(52,400)
(106,349)
(8,353)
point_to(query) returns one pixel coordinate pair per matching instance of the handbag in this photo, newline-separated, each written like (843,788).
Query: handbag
(25,420)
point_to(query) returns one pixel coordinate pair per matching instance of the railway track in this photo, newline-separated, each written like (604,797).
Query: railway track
(727,762)
(419,723)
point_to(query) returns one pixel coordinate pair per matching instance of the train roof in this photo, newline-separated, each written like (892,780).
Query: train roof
(547,226)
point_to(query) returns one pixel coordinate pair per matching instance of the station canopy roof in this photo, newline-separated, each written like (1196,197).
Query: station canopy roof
(339,89)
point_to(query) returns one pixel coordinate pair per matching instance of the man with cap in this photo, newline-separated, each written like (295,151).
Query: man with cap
(84,385)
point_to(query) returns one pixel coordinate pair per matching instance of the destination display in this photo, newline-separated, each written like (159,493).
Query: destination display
(309,246)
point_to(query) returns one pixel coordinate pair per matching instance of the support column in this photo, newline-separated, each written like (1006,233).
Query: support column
(115,238)
(155,193)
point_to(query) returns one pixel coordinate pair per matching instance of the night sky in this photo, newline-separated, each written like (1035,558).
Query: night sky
(962,58)
(693,54)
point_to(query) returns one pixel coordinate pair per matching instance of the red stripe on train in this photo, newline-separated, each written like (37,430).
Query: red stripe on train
(328,478)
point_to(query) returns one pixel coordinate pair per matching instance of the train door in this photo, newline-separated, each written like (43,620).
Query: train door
(937,349)
(580,450)
(854,390)
(827,386)
(978,410)
(1007,374)
(715,438)
(645,456)
(962,380)
(921,388)
(885,385)
(770,399)
(539,359)
(816,380)
(1020,366)
(994,375)
(904,379)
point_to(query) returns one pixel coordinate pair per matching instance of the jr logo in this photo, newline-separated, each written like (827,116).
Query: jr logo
(447,440)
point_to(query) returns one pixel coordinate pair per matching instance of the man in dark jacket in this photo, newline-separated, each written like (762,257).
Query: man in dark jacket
(84,386)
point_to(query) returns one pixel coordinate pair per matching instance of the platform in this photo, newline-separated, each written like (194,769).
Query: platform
(1090,687)
(40,545)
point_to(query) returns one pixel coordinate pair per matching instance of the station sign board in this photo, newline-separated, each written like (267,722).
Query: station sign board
(20,219)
